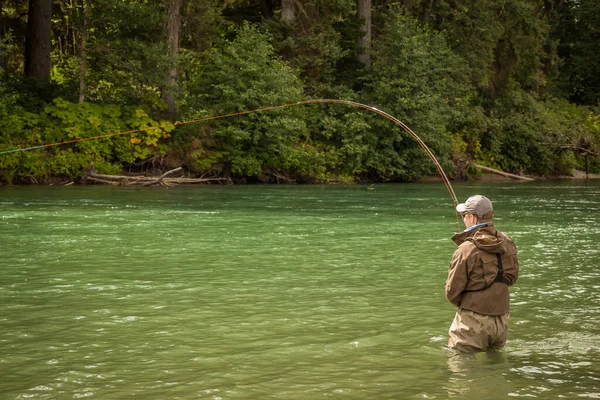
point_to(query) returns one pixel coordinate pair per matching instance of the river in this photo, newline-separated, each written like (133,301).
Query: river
(291,292)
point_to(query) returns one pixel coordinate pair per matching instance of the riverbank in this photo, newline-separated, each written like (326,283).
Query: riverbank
(581,175)
(487,177)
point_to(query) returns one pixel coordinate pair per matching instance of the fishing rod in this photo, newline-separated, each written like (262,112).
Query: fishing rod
(304,102)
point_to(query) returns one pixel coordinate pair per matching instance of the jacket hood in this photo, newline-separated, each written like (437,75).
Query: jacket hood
(485,237)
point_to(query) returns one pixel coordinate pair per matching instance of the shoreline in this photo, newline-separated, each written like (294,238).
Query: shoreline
(489,177)
(485,177)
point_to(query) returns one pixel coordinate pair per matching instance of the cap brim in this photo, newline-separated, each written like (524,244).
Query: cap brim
(461,208)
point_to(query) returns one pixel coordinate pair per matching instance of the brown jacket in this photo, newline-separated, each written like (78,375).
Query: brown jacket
(474,267)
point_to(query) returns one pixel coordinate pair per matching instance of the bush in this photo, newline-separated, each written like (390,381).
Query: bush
(245,75)
(63,121)
(415,78)
(526,135)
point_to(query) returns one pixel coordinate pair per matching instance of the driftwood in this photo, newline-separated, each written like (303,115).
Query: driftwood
(162,177)
(497,172)
(108,182)
(123,180)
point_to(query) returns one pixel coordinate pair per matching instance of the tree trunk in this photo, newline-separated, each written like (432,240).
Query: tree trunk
(502,173)
(83,51)
(288,11)
(364,42)
(3,63)
(173,23)
(38,41)
(266,8)
(587,166)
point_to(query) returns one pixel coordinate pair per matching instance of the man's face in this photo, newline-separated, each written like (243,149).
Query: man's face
(469,219)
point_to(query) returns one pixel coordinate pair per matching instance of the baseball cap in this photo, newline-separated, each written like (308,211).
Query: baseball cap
(477,205)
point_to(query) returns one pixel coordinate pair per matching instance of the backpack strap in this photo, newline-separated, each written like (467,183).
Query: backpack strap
(500,275)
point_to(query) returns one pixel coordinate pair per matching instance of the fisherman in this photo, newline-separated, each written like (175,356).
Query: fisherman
(483,266)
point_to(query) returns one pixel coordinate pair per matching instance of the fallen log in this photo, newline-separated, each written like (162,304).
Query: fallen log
(122,177)
(124,180)
(106,181)
(193,180)
(160,178)
(502,173)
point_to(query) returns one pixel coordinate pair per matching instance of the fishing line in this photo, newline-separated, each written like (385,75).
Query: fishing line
(304,102)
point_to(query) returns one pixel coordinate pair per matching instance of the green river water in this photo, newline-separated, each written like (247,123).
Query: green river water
(290,292)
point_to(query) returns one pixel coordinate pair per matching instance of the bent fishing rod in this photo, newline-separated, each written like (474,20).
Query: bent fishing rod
(304,102)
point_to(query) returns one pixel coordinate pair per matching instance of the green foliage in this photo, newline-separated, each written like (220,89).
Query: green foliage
(7,47)
(578,33)
(243,75)
(126,53)
(320,45)
(63,121)
(476,80)
(503,43)
(415,78)
(203,24)
(543,138)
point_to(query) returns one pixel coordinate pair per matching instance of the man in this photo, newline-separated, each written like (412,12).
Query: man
(482,267)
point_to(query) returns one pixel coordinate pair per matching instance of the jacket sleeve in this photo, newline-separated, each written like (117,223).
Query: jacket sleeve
(511,272)
(457,276)
(514,272)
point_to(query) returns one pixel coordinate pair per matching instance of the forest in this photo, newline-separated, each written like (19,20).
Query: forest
(513,85)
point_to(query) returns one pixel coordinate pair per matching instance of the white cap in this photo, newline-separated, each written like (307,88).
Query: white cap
(477,205)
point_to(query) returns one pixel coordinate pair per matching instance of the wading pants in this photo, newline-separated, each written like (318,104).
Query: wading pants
(471,331)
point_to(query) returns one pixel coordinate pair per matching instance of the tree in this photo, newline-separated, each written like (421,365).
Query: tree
(246,74)
(416,77)
(3,68)
(127,51)
(503,42)
(363,10)
(322,45)
(39,39)
(578,34)
(83,51)
(288,11)
(266,8)
(173,23)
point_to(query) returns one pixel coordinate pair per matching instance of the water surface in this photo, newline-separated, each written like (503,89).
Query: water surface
(292,292)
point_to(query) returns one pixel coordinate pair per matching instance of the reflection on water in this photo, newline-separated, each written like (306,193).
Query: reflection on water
(292,292)
(479,376)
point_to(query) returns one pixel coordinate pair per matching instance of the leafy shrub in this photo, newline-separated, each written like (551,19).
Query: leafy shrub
(415,78)
(526,135)
(244,75)
(63,121)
